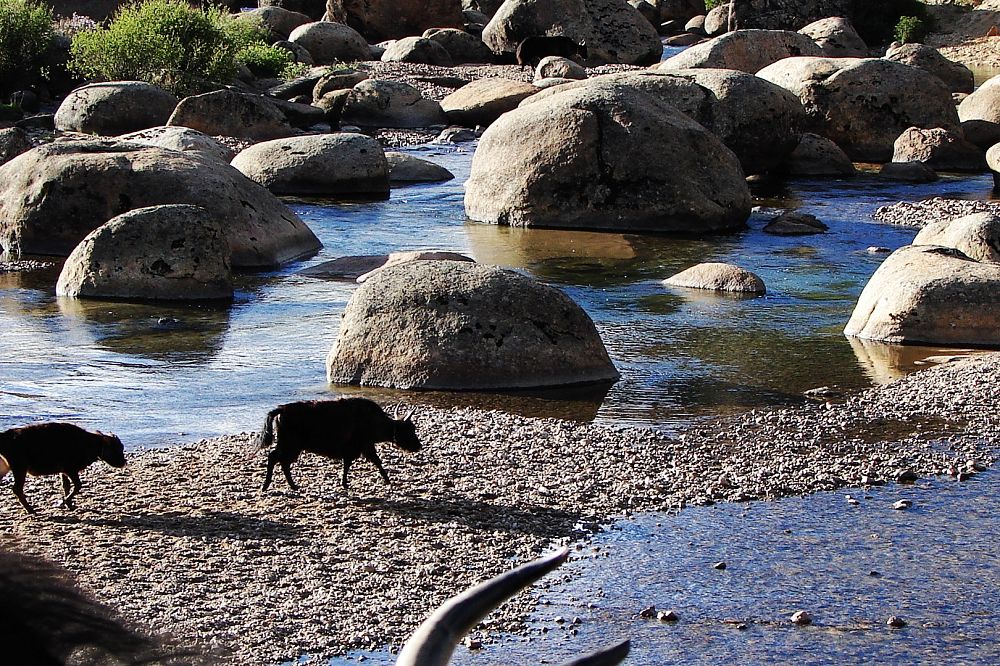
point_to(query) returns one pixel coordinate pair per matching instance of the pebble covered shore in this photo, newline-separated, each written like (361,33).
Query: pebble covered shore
(183,540)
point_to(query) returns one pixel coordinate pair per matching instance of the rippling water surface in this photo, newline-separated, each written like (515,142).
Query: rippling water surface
(159,374)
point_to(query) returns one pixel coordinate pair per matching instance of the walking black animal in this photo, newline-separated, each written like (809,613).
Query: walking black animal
(55,448)
(344,429)
(532,49)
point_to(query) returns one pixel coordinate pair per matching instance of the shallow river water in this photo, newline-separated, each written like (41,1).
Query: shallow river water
(158,374)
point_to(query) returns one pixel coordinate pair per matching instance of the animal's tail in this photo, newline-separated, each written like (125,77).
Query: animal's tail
(266,436)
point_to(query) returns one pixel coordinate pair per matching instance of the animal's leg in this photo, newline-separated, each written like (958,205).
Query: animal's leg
(373,456)
(19,477)
(286,467)
(347,467)
(77,485)
(272,460)
(66,485)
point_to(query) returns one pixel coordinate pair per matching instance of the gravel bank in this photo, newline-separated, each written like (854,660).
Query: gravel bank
(919,214)
(184,541)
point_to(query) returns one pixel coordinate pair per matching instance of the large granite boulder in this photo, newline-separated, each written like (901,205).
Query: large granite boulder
(745,50)
(930,294)
(940,149)
(816,156)
(13,142)
(717,276)
(459,326)
(329,42)
(864,104)
(787,14)
(232,113)
(51,197)
(460,45)
(556,67)
(613,30)
(592,158)
(318,165)
(379,20)
(180,138)
(176,252)
(484,100)
(418,50)
(977,236)
(955,75)
(114,108)
(836,38)
(983,104)
(381,103)
(278,21)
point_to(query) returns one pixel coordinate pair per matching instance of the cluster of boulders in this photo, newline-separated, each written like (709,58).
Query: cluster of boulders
(159,208)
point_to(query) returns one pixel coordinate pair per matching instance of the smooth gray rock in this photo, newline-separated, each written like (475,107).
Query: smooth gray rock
(114,108)
(836,38)
(184,139)
(418,50)
(484,100)
(977,236)
(380,103)
(955,75)
(940,149)
(817,156)
(231,113)
(329,42)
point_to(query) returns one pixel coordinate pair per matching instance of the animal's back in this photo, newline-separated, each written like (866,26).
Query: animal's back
(327,426)
(49,448)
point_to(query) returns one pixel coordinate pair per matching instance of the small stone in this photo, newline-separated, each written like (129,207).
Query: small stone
(741,626)
(895,621)
(801,617)
(667,616)
(719,565)
(902,504)
(473,643)
(878,249)
(874,574)
(559,619)
(648,612)
(907,476)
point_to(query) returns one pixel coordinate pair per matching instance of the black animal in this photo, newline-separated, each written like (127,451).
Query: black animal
(55,448)
(532,49)
(344,429)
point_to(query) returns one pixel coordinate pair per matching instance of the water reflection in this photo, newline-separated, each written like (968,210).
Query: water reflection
(189,334)
(885,363)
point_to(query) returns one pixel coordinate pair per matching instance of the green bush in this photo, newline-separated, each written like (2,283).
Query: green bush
(168,43)
(25,35)
(712,4)
(910,29)
(265,61)
(876,20)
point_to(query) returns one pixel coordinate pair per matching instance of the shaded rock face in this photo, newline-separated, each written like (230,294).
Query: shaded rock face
(53,196)
(380,103)
(864,104)
(716,276)
(794,223)
(330,42)
(977,236)
(613,30)
(230,113)
(13,142)
(397,258)
(817,156)
(460,45)
(993,162)
(174,252)
(836,38)
(405,168)
(484,100)
(379,20)
(786,14)
(955,75)
(114,108)
(592,158)
(280,22)
(930,294)
(180,138)
(939,149)
(340,79)
(744,50)
(318,165)
(419,50)
(314,9)
(983,104)
(908,172)
(462,326)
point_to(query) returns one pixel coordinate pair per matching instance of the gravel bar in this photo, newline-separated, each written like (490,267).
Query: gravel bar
(919,214)
(184,542)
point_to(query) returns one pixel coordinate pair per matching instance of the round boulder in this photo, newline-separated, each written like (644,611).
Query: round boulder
(592,158)
(381,103)
(745,50)
(174,252)
(180,138)
(717,20)
(817,156)
(555,67)
(908,172)
(930,294)
(955,75)
(993,162)
(484,100)
(318,165)
(977,236)
(836,38)
(794,223)
(418,50)
(280,22)
(114,108)
(329,42)
(51,197)
(379,20)
(983,104)
(13,142)
(717,276)
(232,113)
(460,45)
(940,149)
(462,326)
(405,168)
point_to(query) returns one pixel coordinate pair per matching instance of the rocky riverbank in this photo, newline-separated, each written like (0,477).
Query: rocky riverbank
(183,541)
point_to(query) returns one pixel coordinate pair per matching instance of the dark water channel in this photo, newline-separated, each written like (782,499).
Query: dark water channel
(160,374)
(850,567)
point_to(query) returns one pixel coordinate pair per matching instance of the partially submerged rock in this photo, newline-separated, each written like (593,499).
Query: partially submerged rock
(908,172)
(817,156)
(717,276)
(462,326)
(940,149)
(406,168)
(175,252)
(795,223)
(398,258)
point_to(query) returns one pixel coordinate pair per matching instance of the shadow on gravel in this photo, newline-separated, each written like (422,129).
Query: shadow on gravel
(211,525)
(536,520)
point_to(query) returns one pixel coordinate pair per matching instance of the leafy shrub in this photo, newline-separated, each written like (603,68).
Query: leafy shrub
(265,61)
(25,35)
(876,20)
(712,4)
(910,29)
(167,43)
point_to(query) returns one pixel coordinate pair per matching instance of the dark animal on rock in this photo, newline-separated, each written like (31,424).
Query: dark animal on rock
(532,49)
(434,641)
(55,448)
(345,429)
